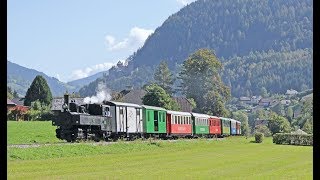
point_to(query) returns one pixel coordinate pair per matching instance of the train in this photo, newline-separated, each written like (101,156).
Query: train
(110,121)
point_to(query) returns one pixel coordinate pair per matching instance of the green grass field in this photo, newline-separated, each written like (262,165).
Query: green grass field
(29,132)
(231,158)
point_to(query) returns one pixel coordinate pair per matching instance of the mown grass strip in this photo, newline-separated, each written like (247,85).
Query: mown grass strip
(232,158)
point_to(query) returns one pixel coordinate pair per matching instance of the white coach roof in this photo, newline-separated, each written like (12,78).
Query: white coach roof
(179,113)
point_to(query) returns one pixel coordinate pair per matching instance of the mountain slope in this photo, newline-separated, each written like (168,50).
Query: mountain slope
(232,28)
(20,78)
(85,81)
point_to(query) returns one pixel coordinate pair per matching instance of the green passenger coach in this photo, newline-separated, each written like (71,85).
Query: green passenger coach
(200,124)
(154,120)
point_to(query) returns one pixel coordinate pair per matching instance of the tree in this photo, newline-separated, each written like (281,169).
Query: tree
(192,102)
(157,96)
(201,81)
(306,113)
(39,111)
(243,118)
(10,94)
(308,127)
(278,124)
(278,109)
(263,129)
(163,77)
(289,114)
(39,90)
(264,92)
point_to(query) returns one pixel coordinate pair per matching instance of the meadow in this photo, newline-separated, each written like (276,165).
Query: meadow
(30,132)
(230,158)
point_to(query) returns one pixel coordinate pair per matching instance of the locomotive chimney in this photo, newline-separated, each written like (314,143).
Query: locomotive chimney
(66,99)
(65,105)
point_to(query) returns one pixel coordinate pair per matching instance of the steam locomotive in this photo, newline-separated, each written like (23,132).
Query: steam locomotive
(112,120)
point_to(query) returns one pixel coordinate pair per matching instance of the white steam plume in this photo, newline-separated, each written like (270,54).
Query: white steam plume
(102,93)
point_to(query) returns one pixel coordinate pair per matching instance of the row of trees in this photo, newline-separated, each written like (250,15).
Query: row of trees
(38,98)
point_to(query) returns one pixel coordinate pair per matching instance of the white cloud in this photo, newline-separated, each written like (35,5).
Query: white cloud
(185,2)
(82,73)
(135,39)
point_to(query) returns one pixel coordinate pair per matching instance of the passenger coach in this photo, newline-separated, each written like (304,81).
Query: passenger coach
(200,124)
(225,126)
(179,124)
(214,125)
(154,120)
(233,127)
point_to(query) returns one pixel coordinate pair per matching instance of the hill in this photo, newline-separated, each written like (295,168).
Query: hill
(19,78)
(233,27)
(234,30)
(85,81)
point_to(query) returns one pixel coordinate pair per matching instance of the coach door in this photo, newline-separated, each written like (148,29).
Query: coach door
(138,120)
(156,122)
(122,119)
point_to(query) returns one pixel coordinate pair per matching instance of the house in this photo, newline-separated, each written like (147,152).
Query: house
(265,102)
(245,99)
(18,101)
(299,131)
(255,99)
(10,105)
(285,102)
(291,92)
(134,96)
(58,102)
(17,111)
(184,104)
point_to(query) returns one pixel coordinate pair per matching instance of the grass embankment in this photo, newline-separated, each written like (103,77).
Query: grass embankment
(30,132)
(235,158)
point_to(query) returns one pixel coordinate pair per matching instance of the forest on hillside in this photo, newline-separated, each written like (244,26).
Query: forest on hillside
(275,71)
(246,75)
(229,28)
(261,43)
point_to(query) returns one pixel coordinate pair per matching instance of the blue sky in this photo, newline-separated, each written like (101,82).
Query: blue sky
(72,39)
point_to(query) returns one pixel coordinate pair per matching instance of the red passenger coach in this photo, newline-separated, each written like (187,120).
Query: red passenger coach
(214,125)
(179,123)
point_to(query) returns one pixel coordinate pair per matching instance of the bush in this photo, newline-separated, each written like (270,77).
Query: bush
(259,137)
(293,139)
(264,130)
